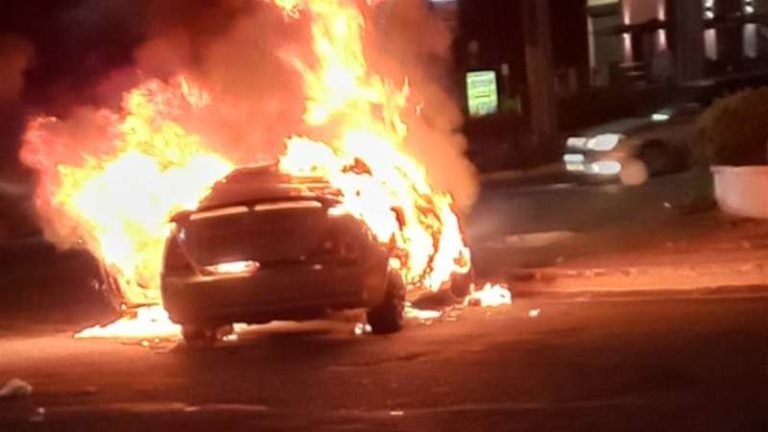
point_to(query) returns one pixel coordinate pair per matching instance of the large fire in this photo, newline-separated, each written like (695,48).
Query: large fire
(119,202)
(367,159)
(118,195)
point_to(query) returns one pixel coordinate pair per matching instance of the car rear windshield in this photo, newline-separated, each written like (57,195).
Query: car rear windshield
(264,232)
(264,185)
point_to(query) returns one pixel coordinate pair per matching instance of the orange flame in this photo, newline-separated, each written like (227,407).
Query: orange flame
(367,160)
(148,322)
(120,202)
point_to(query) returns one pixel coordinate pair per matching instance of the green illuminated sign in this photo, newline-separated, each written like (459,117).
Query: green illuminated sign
(482,93)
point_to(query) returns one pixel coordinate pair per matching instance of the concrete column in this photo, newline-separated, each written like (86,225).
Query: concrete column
(688,43)
(538,58)
(761,7)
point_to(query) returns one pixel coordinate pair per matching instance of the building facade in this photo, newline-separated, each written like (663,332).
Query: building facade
(565,64)
(652,41)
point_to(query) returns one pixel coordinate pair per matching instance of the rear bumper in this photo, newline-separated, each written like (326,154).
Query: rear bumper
(287,292)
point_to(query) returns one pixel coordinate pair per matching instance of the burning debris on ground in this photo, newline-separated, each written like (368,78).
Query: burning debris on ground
(144,323)
(490,295)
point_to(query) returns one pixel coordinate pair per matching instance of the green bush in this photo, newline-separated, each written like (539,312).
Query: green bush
(734,130)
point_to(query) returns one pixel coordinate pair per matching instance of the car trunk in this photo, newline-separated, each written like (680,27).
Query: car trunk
(268,233)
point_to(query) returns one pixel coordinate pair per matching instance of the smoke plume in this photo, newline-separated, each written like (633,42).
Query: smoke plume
(239,50)
(15,56)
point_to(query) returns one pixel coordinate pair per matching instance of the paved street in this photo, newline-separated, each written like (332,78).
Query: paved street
(611,361)
(612,364)
(518,206)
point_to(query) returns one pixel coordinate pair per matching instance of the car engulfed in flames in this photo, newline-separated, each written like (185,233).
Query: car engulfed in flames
(266,246)
(116,191)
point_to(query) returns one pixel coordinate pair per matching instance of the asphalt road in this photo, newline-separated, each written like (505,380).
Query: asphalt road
(600,364)
(525,205)
(582,364)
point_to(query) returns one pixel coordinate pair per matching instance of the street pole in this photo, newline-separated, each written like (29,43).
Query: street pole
(538,59)
(688,40)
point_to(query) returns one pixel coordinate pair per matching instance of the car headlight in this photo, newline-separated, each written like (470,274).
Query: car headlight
(605,142)
(599,143)
(605,167)
(574,162)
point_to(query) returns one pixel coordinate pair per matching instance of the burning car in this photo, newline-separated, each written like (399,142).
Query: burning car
(352,214)
(264,246)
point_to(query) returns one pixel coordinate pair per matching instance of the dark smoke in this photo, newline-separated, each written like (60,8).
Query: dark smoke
(411,42)
(16,53)
(15,56)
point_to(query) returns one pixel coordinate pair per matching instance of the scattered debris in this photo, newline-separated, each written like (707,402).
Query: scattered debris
(490,295)
(38,415)
(15,388)
(534,313)
(362,329)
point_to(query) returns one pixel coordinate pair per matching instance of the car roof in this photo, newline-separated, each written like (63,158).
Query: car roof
(266,183)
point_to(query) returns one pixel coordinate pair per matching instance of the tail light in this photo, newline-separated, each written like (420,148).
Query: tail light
(234,267)
(176,261)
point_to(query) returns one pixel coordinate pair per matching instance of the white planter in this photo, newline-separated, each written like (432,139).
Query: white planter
(742,191)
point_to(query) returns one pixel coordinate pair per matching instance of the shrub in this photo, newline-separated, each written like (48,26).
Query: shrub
(734,130)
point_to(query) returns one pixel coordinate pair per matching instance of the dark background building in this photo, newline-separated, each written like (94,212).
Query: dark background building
(598,60)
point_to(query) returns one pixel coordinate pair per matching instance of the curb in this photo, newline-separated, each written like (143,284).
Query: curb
(731,292)
(648,278)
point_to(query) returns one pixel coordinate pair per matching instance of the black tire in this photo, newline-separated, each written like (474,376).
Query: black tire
(204,335)
(389,316)
(110,288)
(461,285)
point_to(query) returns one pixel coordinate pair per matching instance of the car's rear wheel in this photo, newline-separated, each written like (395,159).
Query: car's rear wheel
(199,335)
(389,316)
(461,284)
